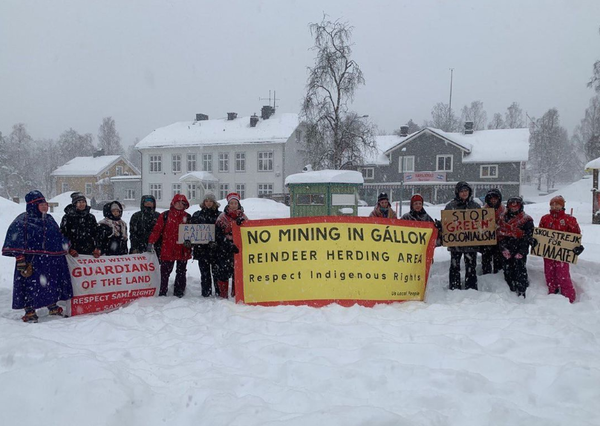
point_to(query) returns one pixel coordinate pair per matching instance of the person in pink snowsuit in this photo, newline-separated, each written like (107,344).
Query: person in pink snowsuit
(557,273)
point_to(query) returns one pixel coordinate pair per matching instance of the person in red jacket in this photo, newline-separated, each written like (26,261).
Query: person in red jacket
(166,231)
(232,216)
(557,273)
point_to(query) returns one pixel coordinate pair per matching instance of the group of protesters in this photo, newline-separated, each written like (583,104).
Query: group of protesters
(514,236)
(40,245)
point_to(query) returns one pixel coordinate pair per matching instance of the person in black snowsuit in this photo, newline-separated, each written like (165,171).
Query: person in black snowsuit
(206,254)
(463,201)
(515,234)
(491,258)
(112,230)
(79,226)
(141,225)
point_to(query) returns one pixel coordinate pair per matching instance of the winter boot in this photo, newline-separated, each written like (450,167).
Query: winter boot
(30,316)
(54,309)
(223,289)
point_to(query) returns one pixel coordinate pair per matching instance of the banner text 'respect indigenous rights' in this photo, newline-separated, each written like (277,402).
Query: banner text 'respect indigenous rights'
(320,260)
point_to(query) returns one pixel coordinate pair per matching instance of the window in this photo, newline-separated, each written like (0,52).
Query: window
(155,163)
(265,189)
(130,194)
(223,162)
(406,164)
(119,170)
(444,163)
(488,171)
(176,163)
(223,190)
(240,161)
(191,162)
(310,199)
(368,172)
(210,186)
(65,187)
(298,136)
(88,189)
(207,162)
(191,191)
(265,161)
(176,189)
(240,188)
(156,190)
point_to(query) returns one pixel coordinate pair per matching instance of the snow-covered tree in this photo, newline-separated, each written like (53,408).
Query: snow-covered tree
(134,155)
(17,168)
(551,154)
(513,118)
(108,137)
(497,122)
(334,135)
(72,144)
(443,118)
(474,113)
(48,159)
(588,131)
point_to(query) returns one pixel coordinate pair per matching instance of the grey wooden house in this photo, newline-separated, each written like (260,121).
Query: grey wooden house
(430,162)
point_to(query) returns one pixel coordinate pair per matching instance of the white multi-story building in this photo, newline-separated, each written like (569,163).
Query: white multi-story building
(249,155)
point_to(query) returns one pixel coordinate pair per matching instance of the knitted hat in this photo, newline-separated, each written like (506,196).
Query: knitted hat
(115,206)
(211,197)
(559,200)
(233,196)
(382,196)
(416,197)
(76,196)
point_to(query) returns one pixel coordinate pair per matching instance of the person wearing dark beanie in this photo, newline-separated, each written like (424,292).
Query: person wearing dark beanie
(79,226)
(383,208)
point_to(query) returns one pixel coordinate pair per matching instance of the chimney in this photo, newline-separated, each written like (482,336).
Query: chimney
(253,120)
(403,131)
(468,127)
(98,153)
(266,112)
(231,116)
(201,117)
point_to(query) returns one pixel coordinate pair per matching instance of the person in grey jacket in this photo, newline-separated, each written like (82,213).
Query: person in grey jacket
(463,200)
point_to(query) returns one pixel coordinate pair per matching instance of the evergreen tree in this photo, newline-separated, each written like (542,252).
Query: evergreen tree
(108,137)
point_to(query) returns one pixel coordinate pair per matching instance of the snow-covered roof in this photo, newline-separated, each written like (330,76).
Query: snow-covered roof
(277,129)
(498,145)
(126,177)
(383,144)
(89,166)
(198,176)
(326,176)
(594,164)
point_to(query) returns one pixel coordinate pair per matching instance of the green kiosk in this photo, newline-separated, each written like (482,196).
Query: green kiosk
(324,193)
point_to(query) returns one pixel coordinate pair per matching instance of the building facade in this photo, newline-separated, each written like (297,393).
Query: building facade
(430,162)
(249,155)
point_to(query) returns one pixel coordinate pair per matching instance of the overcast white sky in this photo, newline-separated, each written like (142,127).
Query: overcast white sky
(153,62)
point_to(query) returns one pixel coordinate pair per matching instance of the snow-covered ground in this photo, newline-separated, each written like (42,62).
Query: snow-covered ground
(461,358)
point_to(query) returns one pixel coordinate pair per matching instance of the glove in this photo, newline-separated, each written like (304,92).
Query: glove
(578,250)
(96,253)
(234,249)
(150,248)
(21,264)
(518,256)
(187,244)
(534,243)
(73,253)
(438,225)
(506,254)
(240,220)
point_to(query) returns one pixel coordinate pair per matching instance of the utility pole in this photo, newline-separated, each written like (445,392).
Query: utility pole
(450,102)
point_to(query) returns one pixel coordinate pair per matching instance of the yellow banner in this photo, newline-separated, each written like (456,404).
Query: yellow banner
(320,260)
